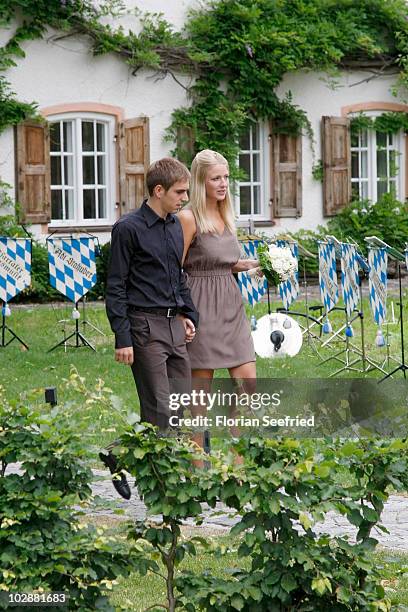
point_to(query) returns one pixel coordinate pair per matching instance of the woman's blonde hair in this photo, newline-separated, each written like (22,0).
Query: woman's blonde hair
(201,163)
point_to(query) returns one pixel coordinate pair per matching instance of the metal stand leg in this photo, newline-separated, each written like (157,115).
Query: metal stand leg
(351,349)
(5,328)
(86,322)
(403,367)
(80,339)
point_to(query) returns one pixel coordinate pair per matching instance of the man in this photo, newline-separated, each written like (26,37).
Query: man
(147,300)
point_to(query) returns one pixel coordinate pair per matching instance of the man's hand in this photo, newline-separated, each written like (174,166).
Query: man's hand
(189,328)
(124,355)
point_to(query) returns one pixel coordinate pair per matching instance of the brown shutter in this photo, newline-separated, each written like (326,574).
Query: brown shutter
(185,144)
(133,162)
(33,171)
(336,154)
(286,175)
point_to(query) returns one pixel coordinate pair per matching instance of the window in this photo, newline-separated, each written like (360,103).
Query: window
(250,199)
(375,164)
(82,170)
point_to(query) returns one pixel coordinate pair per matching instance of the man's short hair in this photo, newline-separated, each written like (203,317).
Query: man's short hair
(165,172)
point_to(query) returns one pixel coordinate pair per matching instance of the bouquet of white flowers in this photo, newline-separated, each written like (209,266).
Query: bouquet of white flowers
(277,263)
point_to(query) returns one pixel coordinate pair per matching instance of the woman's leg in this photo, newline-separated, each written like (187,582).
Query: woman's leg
(245,371)
(245,375)
(200,381)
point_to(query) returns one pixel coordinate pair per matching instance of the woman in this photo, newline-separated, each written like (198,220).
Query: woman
(211,255)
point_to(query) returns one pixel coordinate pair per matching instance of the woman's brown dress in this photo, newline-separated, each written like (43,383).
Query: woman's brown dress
(223,339)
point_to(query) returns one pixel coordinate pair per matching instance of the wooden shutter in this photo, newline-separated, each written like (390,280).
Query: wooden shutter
(33,171)
(286,175)
(185,143)
(336,151)
(133,162)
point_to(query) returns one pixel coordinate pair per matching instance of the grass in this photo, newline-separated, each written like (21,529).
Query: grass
(41,328)
(22,370)
(150,590)
(139,593)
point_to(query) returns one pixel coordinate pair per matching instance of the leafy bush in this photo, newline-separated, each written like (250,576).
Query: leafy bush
(43,544)
(40,289)
(102,261)
(387,219)
(308,239)
(283,490)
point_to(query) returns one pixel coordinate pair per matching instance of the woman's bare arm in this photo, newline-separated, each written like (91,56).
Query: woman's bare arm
(243,265)
(188,223)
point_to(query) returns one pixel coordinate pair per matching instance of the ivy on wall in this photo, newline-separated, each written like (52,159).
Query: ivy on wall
(389,123)
(237,50)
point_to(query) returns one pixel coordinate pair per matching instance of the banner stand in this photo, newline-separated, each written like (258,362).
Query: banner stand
(72,269)
(311,321)
(361,271)
(5,328)
(80,339)
(15,276)
(373,241)
(86,322)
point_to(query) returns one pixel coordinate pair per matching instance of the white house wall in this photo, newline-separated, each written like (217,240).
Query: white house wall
(61,72)
(313,93)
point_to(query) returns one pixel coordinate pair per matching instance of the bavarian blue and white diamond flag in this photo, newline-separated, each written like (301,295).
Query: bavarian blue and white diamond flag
(72,265)
(329,289)
(15,266)
(377,283)
(349,276)
(251,288)
(289,289)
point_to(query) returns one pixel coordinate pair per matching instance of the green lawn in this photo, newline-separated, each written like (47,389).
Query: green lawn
(22,370)
(150,590)
(139,593)
(39,327)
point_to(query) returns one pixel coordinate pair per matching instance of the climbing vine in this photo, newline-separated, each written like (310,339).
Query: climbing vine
(389,123)
(238,52)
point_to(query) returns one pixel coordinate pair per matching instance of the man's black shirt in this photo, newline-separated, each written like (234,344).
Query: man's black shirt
(145,269)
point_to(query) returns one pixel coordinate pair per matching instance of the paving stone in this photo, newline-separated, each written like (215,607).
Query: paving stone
(108,502)
(394,517)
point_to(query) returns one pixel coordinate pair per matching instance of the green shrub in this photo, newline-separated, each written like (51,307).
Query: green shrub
(387,219)
(102,261)
(40,289)
(43,544)
(308,239)
(284,489)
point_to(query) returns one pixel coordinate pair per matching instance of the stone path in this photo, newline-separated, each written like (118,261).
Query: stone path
(394,518)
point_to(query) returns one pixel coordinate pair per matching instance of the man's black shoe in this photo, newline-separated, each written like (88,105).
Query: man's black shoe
(119,481)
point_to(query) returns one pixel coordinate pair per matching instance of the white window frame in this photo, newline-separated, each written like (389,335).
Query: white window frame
(264,164)
(78,219)
(398,147)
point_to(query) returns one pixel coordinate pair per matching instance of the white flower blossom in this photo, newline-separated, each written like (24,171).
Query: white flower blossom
(282,261)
